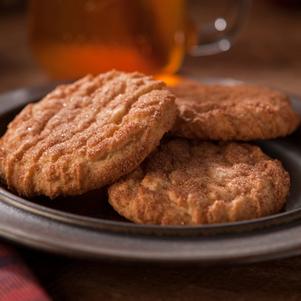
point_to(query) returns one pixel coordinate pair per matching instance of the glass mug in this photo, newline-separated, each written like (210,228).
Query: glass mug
(71,38)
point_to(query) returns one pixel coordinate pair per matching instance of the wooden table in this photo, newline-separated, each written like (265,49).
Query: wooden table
(267,52)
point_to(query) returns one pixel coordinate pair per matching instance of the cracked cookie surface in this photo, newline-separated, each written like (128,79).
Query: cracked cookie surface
(234,112)
(190,182)
(85,135)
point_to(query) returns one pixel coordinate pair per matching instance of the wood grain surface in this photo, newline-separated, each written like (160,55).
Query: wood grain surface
(268,52)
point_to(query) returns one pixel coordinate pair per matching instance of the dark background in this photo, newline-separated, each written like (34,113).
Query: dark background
(268,49)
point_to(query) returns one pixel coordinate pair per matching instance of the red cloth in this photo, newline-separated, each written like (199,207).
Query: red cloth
(16,281)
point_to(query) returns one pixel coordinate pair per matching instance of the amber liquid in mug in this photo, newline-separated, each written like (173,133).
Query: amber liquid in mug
(71,38)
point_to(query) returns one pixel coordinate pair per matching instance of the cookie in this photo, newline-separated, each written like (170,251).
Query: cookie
(192,182)
(232,112)
(85,135)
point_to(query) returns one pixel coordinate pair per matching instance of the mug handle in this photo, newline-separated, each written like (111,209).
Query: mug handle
(225,42)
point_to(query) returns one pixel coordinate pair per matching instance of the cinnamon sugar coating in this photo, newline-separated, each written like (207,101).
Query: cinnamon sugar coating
(85,135)
(237,112)
(188,182)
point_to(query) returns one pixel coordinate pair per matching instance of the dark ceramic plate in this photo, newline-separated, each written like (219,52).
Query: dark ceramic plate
(87,226)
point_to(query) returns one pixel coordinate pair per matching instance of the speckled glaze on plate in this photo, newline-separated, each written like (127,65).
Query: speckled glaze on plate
(86,227)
